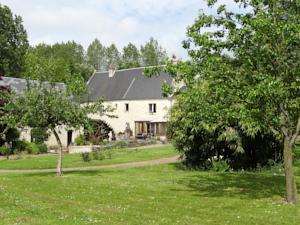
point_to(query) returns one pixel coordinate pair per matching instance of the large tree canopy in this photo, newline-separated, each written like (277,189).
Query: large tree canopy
(96,55)
(153,54)
(131,57)
(249,64)
(69,56)
(44,105)
(13,43)
(113,57)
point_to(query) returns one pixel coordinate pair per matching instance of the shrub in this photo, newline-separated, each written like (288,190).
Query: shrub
(98,155)
(120,144)
(39,135)
(220,166)
(81,140)
(104,142)
(19,146)
(102,156)
(4,150)
(199,138)
(12,135)
(32,148)
(109,155)
(43,148)
(273,166)
(86,157)
(95,155)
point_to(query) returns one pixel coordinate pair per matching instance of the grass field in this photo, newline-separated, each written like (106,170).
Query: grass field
(150,195)
(163,195)
(75,160)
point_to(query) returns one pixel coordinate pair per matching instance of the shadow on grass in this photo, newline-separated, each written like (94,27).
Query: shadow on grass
(244,185)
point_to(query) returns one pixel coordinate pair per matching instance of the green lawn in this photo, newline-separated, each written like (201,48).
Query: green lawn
(75,160)
(164,195)
(161,194)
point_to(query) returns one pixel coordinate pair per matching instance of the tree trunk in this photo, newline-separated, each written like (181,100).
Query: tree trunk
(291,188)
(59,154)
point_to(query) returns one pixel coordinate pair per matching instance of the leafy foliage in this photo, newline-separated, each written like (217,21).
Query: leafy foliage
(86,157)
(81,140)
(153,54)
(43,148)
(46,106)
(131,57)
(244,74)
(113,57)
(66,59)
(96,55)
(200,141)
(13,43)
(6,151)
(39,135)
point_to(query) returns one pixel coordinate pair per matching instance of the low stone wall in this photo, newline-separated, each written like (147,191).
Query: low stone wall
(80,149)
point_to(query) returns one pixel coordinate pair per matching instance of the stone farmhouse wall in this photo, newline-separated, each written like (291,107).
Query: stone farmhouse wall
(138,111)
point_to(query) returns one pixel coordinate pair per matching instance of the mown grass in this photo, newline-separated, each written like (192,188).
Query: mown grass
(75,160)
(161,194)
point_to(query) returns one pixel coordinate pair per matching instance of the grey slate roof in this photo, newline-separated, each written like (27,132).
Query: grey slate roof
(19,85)
(128,84)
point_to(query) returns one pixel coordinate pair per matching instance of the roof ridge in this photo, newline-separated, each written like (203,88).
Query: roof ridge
(135,68)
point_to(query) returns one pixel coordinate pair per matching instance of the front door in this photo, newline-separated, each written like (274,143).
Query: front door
(70,132)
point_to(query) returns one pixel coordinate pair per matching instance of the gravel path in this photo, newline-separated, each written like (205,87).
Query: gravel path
(121,165)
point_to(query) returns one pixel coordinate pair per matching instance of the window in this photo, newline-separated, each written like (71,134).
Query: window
(152,108)
(126,107)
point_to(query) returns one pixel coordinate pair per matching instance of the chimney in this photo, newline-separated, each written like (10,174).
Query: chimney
(174,59)
(111,71)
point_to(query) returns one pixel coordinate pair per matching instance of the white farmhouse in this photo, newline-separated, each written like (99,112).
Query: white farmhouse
(140,110)
(137,101)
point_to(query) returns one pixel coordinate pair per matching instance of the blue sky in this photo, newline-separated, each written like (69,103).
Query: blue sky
(111,21)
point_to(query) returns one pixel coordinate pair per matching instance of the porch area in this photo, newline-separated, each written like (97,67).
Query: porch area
(147,129)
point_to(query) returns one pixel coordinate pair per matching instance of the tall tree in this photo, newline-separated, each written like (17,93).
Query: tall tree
(53,70)
(250,62)
(113,57)
(8,135)
(13,43)
(153,54)
(4,91)
(46,106)
(131,57)
(70,54)
(96,55)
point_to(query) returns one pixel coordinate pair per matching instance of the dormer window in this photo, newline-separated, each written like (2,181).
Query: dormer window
(152,108)
(126,107)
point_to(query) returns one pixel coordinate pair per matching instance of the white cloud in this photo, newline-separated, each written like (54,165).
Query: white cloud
(117,21)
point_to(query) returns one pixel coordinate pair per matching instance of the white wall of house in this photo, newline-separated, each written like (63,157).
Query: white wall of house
(51,142)
(138,111)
